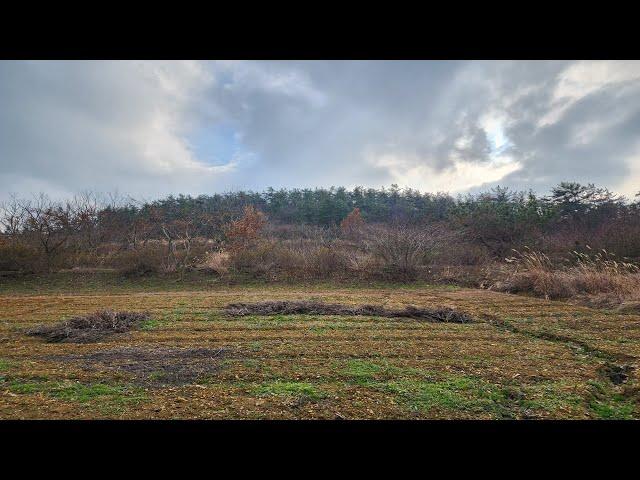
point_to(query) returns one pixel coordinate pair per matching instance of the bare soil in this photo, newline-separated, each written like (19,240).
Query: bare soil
(158,366)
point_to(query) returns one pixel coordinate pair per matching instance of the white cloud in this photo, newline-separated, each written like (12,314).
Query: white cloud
(585,78)
(104,125)
(459,176)
(141,127)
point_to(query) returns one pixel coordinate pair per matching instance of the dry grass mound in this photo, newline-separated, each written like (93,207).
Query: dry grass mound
(318,308)
(89,328)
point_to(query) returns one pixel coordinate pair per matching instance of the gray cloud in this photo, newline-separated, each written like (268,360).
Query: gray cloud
(458,126)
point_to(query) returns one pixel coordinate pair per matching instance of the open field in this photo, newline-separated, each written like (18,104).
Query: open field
(521,357)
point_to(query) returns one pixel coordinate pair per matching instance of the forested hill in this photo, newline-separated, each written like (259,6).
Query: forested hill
(330,206)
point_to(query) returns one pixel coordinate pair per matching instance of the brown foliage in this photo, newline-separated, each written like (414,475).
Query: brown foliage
(243,231)
(352,224)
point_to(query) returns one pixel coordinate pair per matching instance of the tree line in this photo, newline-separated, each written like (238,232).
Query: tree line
(497,220)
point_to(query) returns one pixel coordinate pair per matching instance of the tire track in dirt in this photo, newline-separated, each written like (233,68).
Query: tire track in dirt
(615,370)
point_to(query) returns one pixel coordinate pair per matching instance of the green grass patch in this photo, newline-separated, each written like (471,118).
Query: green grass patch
(24,387)
(549,397)
(150,324)
(453,393)
(366,372)
(166,318)
(606,403)
(109,396)
(424,391)
(157,376)
(79,392)
(300,390)
(614,409)
(5,365)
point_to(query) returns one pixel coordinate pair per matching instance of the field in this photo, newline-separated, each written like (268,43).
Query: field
(521,357)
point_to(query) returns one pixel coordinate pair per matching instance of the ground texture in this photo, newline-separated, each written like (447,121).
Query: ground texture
(519,358)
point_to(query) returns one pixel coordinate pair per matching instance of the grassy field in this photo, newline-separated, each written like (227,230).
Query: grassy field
(521,357)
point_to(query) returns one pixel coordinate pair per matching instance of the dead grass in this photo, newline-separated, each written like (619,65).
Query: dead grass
(215,262)
(447,315)
(89,328)
(557,361)
(580,276)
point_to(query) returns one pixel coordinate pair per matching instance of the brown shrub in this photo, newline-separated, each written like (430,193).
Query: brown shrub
(353,224)
(281,260)
(16,257)
(144,261)
(243,231)
(216,262)
(257,260)
(320,262)
(402,250)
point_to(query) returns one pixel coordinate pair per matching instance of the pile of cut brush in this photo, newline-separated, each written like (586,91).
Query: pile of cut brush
(89,328)
(444,314)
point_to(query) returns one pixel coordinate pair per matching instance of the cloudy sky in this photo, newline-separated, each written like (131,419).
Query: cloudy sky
(153,128)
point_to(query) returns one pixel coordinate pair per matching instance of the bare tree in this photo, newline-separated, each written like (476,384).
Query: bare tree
(180,234)
(84,211)
(51,224)
(403,249)
(12,218)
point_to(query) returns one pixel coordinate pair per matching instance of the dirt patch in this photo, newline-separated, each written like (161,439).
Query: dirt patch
(153,366)
(618,374)
(89,328)
(448,315)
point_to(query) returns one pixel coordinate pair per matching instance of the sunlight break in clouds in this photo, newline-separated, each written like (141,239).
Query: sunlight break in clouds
(458,177)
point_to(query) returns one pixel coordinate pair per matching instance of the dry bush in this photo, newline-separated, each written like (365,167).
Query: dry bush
(17,257)
(460,252)
(360,264)
(550,285)
(147,260)
(398,253)
(583,274)
(216,262)
(462,275)
(247,229)
(301,232)
(289,260)
(402,250)
(89,328)
(353,224)
(322,262)
(257,261)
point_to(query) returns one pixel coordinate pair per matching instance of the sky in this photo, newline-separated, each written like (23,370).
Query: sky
(153,128)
